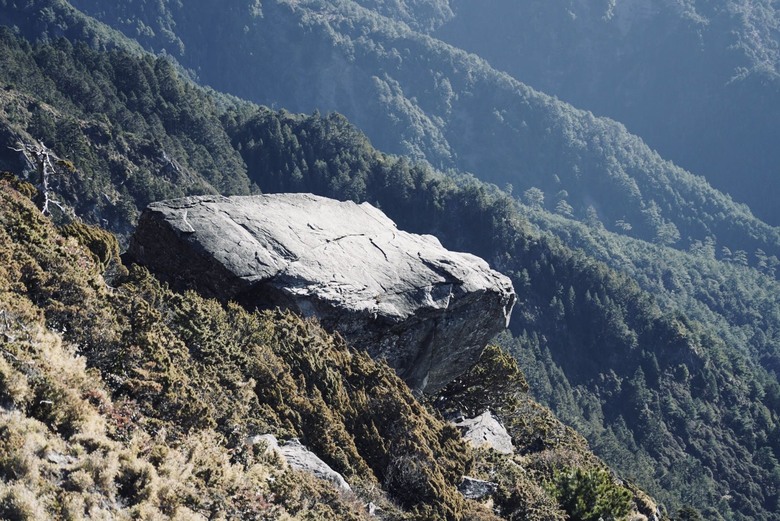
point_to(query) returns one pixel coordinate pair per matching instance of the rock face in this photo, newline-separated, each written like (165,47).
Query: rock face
(301,458)
(485,429)
(402,297)
(473,488)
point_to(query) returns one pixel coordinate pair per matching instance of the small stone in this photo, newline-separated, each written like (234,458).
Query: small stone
(297,456)
(473,488)
(486,430)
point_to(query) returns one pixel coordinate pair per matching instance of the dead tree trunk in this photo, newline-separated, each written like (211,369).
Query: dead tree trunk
(40,159)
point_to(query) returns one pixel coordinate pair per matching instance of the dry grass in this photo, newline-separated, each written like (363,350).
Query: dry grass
(137,403)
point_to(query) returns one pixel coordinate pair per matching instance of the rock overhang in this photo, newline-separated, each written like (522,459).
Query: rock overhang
(403,297)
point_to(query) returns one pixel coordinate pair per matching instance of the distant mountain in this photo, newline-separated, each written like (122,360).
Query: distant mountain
(421,15)
(418,96)
(699,81)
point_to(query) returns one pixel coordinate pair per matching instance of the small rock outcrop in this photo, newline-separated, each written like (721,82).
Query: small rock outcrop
(404,298)
(473,488)
(486,430)
(301,458)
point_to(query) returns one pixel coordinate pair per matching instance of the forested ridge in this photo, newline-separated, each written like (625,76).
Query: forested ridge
(698,81)
(658,360)
(416,95)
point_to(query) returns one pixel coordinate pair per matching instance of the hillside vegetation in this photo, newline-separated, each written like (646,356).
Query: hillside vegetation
(135,402)
(668,371)
(689,414)
(418,96)
(136,132)
(698,81)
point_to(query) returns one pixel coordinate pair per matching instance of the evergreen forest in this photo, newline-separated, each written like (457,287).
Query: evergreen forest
(643,354)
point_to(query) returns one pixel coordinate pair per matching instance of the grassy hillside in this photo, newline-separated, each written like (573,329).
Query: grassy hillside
(130,401)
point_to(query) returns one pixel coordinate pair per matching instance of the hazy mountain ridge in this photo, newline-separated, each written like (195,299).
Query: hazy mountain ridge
(422,15)
(418,96)
(697,80)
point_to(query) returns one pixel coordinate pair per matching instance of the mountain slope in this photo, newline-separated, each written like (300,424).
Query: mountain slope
(418,96)
(133,401)
(609,356)
(699,81)
(641,380)
(136,132)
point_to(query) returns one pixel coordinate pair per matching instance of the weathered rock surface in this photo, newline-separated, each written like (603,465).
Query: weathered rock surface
(473,488)
(301,458)
(403,297)
(485,429)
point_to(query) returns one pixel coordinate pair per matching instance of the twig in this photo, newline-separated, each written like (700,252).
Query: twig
(10,354)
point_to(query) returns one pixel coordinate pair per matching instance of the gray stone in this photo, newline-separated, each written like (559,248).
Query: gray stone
(299,457)
(486,430)
(473,488)
(60,459)
(271,443)
(372,509)
(402,297)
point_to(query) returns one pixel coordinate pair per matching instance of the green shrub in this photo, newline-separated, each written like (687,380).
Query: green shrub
(590,494)
(101,243)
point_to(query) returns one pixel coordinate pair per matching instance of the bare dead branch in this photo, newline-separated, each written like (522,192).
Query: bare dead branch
(40,158)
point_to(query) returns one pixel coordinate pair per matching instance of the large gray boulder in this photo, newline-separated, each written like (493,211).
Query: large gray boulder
(427,311)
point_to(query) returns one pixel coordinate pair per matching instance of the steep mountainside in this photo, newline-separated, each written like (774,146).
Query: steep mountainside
(136,132)
(698,80)
(425,311)
(133,401)
(665,383)
(420,97)
(662,396)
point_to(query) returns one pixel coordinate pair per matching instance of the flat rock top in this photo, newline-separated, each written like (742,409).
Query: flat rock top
(340,252)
